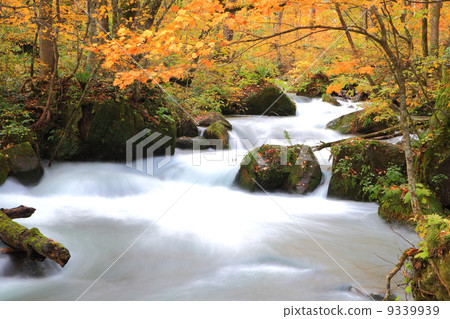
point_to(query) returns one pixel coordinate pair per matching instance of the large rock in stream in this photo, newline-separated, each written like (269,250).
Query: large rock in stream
(294,169)
(23,163)
(360,122)
(357,162)
(269,101)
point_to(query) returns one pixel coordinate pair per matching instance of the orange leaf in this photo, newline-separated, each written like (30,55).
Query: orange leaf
(175,8)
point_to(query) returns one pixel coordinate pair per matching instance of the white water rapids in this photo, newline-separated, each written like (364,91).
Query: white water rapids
(189,234)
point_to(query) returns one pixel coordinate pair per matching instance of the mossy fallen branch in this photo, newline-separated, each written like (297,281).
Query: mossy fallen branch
(31,241)
(19,212)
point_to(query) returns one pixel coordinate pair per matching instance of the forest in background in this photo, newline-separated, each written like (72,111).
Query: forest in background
(184,59)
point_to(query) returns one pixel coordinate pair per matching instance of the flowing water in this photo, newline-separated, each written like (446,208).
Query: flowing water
(188,234)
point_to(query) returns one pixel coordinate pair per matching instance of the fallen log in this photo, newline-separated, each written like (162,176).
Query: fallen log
(31,241)
(18,212)
(379,135)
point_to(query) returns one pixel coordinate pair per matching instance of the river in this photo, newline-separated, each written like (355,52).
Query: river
(187,233)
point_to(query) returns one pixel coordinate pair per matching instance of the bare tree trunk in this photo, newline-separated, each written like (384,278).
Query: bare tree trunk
(228,33)
(424,38)
(277,29)
(435,14)
(115,17)
(47,40)
(104,21)
(149,10)
(350,41)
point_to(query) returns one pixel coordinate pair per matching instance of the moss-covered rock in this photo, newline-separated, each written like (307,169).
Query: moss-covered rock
(217,131)
(186,127)
(4,169)
(209,118)
(113,123)
(294,169)
(24,163)
(329,99)
(426,284)
(270,100)
(315,86)
(394,208)
(360,122)
(357,162)
(185,142)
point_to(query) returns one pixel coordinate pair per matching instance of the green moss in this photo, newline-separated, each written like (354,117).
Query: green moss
(426,285)
(270,101)
(394,206)
(329,99)
(24,163)
(217,131)
(358,163)
(361,122)
(4,169)
(293,169)
(314,86)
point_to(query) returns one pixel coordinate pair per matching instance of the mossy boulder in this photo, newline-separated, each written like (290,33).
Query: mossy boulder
(209,118)
(329,99)
(185,142)
(361,122)
(186,127)
(24,163)
(394,207)
(270,100)
(217,131)
(113,123)
(357,162)
(294,169)
(4,168)
(315,86)
(426,284)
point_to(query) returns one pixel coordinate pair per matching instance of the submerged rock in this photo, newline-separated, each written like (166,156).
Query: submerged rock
(185,142)
(294,169)
(24,163)
(269,101)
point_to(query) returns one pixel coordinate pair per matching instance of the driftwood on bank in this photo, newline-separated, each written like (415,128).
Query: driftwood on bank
(30,241)
(18,212)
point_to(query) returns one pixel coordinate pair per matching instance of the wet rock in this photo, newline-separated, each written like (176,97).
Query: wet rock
(329,99)
(24,163)
(355,160)
(217,131)
(209,118)
(270,100)
(185,142)
(359,122)
(294,169)
(4,169)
